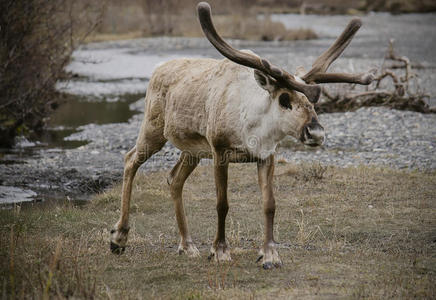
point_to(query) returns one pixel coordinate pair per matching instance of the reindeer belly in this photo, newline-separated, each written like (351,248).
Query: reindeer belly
(191,142)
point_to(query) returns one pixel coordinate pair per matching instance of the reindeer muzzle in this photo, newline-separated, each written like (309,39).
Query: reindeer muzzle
(313,134)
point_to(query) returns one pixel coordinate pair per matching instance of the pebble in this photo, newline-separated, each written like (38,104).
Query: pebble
(375,136)
(371,136)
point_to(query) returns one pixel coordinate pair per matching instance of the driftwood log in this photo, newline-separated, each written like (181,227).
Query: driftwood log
(395,85)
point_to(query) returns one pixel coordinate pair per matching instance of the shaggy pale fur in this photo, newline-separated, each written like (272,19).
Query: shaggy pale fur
(215,109)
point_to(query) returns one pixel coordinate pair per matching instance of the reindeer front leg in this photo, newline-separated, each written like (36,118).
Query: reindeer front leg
(268,253)
(219,249)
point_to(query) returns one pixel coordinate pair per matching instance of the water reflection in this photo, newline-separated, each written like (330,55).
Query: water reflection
(76,112)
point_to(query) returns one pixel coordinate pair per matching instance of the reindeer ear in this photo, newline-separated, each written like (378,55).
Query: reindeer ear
(264,81)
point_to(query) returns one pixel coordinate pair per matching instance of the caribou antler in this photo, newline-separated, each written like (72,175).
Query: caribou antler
(317,73)
(312,91)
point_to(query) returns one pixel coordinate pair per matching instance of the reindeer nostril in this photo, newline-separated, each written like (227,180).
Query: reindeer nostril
(307,132)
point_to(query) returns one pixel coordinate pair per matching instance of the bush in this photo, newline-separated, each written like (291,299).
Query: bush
(36,41)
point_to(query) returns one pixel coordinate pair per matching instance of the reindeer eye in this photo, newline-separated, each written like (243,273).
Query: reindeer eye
(285,101)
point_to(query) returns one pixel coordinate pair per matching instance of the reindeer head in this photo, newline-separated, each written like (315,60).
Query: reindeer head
(295,112)
(294,95)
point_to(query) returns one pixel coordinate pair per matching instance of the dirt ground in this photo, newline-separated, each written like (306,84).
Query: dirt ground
(358,232)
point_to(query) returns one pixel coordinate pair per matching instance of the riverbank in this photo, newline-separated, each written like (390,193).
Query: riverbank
(117,73)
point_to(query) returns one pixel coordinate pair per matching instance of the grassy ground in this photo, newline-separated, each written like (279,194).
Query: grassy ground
(344,233)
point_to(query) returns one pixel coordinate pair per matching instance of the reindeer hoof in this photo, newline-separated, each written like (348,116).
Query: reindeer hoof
(270,265)
(220,253)
(267,266)
(189,249)
(269,257)
(116,249)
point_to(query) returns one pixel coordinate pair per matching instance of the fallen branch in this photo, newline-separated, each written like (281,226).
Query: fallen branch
(392,87)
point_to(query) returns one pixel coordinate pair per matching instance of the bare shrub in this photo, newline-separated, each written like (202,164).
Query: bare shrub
(313,171)
(307,171)
(36,40)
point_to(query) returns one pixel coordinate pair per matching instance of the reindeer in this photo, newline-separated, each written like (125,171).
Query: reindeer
(232,110)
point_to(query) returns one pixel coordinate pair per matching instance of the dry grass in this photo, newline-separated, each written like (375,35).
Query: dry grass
(350,233)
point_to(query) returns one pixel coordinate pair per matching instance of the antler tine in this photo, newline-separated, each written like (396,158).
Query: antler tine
(322,63)
(360,78)
(311,91)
